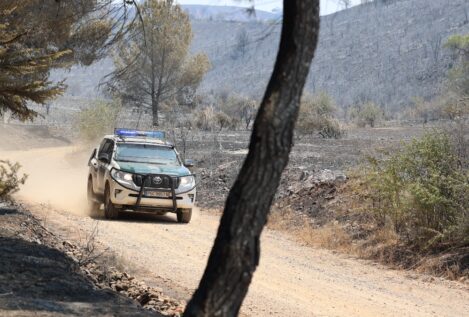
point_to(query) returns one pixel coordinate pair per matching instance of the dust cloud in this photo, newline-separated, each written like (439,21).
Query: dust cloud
(56,176)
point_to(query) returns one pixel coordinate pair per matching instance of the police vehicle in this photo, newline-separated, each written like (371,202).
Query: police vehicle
(140,171)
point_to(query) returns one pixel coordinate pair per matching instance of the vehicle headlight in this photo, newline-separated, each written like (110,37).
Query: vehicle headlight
(186,183)
(124,178)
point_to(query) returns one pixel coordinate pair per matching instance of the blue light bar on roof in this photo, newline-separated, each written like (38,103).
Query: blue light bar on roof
(136,133)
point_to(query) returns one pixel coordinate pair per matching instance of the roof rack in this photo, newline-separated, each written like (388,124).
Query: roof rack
(161,135)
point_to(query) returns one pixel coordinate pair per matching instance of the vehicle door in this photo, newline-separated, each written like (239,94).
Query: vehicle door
(93,167)
(104,159)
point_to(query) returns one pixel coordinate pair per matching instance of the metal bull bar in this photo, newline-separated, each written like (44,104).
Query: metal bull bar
(172,189)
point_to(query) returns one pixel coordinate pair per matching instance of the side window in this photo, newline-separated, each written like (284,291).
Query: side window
(110,148)
(106,147)
(103,146)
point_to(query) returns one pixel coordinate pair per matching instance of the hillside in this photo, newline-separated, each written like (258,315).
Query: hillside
(226,13)
(387,53)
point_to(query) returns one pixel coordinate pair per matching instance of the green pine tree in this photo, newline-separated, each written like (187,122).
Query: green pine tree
(39,35)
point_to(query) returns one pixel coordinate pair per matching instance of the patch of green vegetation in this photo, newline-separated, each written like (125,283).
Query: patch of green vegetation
(10,180)
(422,191)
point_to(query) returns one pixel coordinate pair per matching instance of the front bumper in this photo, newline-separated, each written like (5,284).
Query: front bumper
(126,198)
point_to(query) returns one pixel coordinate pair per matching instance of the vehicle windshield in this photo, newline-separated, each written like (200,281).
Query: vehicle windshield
(146,153)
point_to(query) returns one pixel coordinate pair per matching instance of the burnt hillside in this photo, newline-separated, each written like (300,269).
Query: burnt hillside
(386,52)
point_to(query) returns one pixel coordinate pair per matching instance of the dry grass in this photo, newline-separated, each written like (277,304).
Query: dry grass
(331,236)
(433,265)
(282,219)
(380,246)
(449,265)
(356,233)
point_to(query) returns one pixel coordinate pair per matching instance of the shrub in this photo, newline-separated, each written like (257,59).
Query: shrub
(365,114)
(456,107)
(205,119)
(425,110)
(10,181)
(248,112)
(208,119)
(96,121)
(423,192)
(222,120)
(241,110)
(316,116)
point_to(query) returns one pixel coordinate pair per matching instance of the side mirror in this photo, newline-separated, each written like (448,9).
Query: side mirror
(104,157)
(189,163)
(92,157)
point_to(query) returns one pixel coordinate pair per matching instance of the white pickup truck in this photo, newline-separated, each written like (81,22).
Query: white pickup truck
(140,171)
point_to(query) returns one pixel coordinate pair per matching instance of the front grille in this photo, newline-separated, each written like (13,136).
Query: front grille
(156,181)
(143,196)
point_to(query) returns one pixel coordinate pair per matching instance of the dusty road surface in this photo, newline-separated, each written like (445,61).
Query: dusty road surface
(292,280)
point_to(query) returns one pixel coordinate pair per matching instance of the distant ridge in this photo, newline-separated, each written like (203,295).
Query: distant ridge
(227,13)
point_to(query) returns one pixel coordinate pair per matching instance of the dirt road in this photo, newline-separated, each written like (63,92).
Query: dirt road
(292,280)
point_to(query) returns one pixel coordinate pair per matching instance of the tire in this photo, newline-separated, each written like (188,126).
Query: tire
(92,206)
(110,212)
(184,215)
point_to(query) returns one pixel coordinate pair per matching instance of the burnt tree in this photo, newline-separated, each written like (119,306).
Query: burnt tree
(236,251)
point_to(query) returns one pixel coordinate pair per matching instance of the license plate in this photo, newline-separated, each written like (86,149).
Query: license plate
(155,193)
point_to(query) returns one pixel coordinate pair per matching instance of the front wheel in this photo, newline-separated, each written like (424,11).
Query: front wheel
(184,215)
(110,211)
(93,206)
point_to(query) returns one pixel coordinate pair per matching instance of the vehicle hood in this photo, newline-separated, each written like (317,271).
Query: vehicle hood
(146,168)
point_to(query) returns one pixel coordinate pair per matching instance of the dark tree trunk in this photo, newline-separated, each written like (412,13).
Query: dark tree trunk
(235,254)
(154,109)
(156,91)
